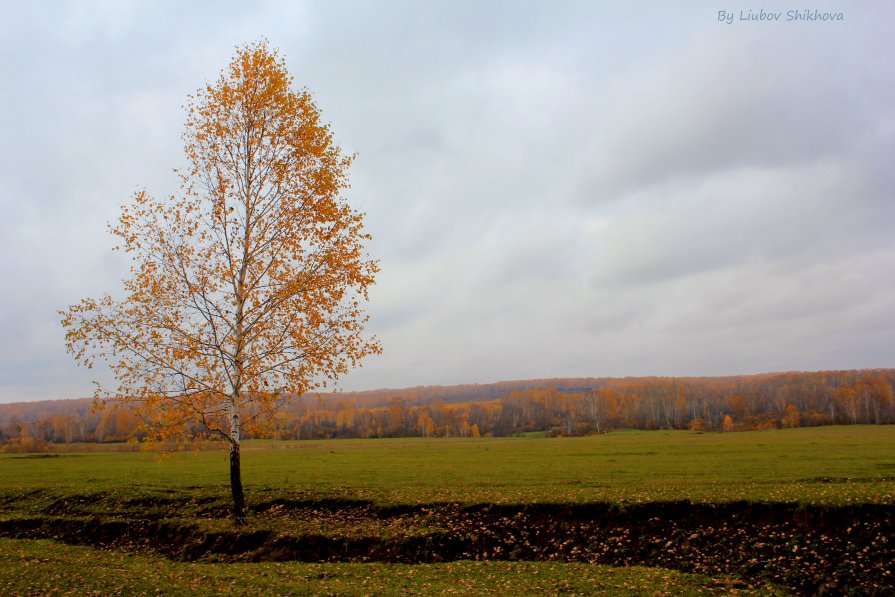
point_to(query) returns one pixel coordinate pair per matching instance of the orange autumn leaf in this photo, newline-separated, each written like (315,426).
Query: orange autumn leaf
(246,287)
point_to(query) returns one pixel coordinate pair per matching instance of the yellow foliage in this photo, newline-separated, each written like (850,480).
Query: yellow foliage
(247,286)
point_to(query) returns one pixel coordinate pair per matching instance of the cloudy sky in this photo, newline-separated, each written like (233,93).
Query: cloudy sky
(555,188)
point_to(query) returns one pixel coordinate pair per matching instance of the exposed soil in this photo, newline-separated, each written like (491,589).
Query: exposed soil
(813,550)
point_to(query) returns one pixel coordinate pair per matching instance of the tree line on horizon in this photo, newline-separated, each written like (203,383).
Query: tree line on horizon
(562,407)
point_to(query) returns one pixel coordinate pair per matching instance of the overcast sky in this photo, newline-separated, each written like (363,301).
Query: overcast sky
(555,188)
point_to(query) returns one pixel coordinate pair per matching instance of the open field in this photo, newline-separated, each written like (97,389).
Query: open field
(803,508)
(46,567)
(824,465)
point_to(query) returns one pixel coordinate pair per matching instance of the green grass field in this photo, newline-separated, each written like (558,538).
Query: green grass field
(823,467)
(48,568)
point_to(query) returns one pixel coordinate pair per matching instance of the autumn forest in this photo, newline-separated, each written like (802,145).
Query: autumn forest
(558,407)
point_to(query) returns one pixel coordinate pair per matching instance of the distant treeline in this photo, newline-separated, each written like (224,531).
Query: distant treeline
(557,406)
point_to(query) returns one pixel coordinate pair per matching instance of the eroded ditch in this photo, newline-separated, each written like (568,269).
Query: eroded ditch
(812,549)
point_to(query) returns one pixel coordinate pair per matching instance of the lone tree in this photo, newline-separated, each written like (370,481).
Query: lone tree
(246,286)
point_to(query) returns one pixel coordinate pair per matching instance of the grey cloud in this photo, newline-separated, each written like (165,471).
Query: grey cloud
(553,189)
(734,101)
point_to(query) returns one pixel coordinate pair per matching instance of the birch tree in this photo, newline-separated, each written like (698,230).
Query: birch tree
(247,286)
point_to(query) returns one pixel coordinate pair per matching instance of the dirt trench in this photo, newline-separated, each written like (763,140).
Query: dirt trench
(811,549)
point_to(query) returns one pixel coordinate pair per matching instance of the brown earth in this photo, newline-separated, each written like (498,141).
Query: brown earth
(813,550)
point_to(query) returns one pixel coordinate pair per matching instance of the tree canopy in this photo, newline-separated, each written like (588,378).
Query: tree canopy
(246,286)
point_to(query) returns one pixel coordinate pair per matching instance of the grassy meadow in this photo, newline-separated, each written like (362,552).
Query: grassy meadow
(48,568)
(822,467)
